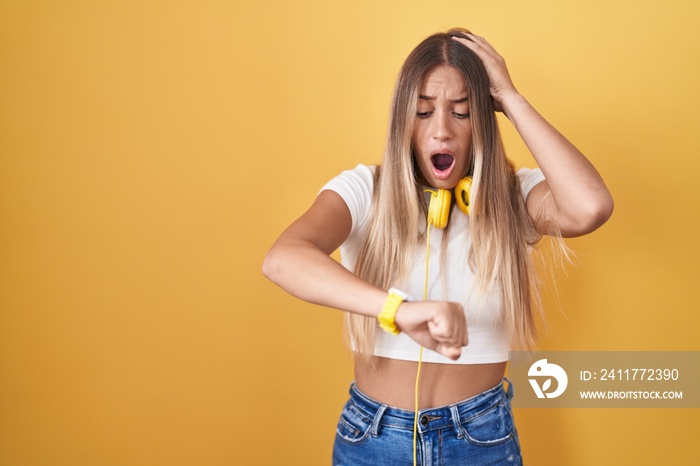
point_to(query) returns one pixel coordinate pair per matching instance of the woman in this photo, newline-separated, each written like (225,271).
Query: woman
(480,298)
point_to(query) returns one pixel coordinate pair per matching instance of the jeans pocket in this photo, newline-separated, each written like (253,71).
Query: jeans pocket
(491,427)
(354,424)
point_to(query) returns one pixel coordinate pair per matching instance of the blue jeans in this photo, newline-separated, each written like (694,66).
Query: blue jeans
(476,431)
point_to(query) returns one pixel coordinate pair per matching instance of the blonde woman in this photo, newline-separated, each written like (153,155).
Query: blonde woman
(478,297)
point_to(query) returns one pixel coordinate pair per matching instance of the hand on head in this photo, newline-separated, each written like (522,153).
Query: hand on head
(501,84)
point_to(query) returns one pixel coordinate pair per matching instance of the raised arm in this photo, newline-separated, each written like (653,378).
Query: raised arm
(300,263)
(573,198)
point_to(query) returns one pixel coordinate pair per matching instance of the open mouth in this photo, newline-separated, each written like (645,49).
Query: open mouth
(442,162)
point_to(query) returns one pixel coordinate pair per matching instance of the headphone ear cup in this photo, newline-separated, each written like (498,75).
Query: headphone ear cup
(439,209)
(462,195)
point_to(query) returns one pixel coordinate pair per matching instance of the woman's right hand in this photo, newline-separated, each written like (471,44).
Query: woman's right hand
(438,325)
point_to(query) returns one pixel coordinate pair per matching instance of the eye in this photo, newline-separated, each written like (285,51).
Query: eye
(423,114)
(461,115)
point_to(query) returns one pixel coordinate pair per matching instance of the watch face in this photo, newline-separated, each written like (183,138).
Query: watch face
(403,295)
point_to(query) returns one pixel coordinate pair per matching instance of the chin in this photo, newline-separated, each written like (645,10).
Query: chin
(443,184)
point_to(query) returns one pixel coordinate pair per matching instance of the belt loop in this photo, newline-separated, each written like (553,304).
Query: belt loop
(374,429)
(455,420)
(509,391)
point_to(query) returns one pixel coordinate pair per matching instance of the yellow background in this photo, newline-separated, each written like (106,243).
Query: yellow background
(150,153)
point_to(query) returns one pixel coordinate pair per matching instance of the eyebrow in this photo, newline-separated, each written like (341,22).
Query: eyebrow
(455,101)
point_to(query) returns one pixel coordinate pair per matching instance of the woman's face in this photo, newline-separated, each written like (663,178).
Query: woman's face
(442,134)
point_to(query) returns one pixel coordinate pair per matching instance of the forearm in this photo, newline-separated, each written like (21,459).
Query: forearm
(577,188)
(308,273)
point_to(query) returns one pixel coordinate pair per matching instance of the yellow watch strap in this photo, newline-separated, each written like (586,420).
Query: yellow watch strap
(387,318)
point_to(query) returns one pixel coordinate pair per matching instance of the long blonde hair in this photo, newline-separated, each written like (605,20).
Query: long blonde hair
(501,229)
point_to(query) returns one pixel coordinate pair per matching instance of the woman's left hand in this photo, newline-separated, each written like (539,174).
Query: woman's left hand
(501,84)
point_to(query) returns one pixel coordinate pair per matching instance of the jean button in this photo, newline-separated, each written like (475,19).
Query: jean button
(424,420)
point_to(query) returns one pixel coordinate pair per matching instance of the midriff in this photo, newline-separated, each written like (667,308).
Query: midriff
(392,381)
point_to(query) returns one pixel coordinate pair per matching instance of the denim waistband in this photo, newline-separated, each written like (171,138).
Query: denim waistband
(453,415)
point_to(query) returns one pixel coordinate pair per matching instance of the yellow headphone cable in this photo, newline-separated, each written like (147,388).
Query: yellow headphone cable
(420,353)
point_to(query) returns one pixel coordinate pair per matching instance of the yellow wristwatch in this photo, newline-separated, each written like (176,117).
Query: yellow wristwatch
(387,318)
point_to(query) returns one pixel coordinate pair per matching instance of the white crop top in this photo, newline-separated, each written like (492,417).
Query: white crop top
(487,333)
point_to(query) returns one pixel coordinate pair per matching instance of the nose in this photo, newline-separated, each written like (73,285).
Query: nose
(442,130)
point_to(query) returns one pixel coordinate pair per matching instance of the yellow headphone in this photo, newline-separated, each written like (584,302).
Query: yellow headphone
(441,200)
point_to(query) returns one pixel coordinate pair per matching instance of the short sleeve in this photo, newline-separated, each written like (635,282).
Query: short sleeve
(529,178)
(355,187)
